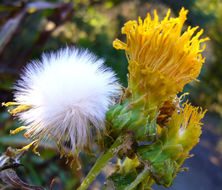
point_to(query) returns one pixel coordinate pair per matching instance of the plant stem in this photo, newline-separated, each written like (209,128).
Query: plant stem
(102,161)
(144,174)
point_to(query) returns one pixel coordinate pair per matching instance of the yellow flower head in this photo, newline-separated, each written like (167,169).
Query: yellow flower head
(166,155)
(161,58)
(185,126)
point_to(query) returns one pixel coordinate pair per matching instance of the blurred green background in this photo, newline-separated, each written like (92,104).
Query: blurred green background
(28,28)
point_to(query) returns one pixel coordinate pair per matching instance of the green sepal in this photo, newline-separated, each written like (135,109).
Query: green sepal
(128,116)
(126,172)
(150,152)
(120,181)
(164,172)
(163,157)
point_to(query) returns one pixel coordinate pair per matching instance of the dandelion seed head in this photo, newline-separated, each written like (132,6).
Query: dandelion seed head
(69,91)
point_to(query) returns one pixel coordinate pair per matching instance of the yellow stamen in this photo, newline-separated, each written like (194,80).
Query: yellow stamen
(36,146)
(27,134)
(20,108)
(10,104)
(12,132)
(28,146)
(183,96)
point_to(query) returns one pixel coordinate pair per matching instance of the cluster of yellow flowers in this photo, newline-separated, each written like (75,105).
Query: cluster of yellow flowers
(162,59)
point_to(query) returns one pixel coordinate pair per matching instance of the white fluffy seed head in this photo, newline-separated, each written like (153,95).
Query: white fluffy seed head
(69,92)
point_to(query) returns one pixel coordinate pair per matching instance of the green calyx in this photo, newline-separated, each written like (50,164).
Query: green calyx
(162,136)
(134,117)
(164,158)
(130,174)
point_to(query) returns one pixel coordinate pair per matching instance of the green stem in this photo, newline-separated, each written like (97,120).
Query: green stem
(142,176)
(102,161)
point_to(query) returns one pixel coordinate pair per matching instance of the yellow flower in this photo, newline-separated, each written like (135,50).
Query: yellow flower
(185,126)
(166,155)
(161,58)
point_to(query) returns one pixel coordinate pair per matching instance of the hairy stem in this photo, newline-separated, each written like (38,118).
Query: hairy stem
(141,177)
(103,160)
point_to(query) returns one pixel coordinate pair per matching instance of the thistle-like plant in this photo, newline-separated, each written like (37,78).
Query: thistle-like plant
(149,123)
(148,128)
